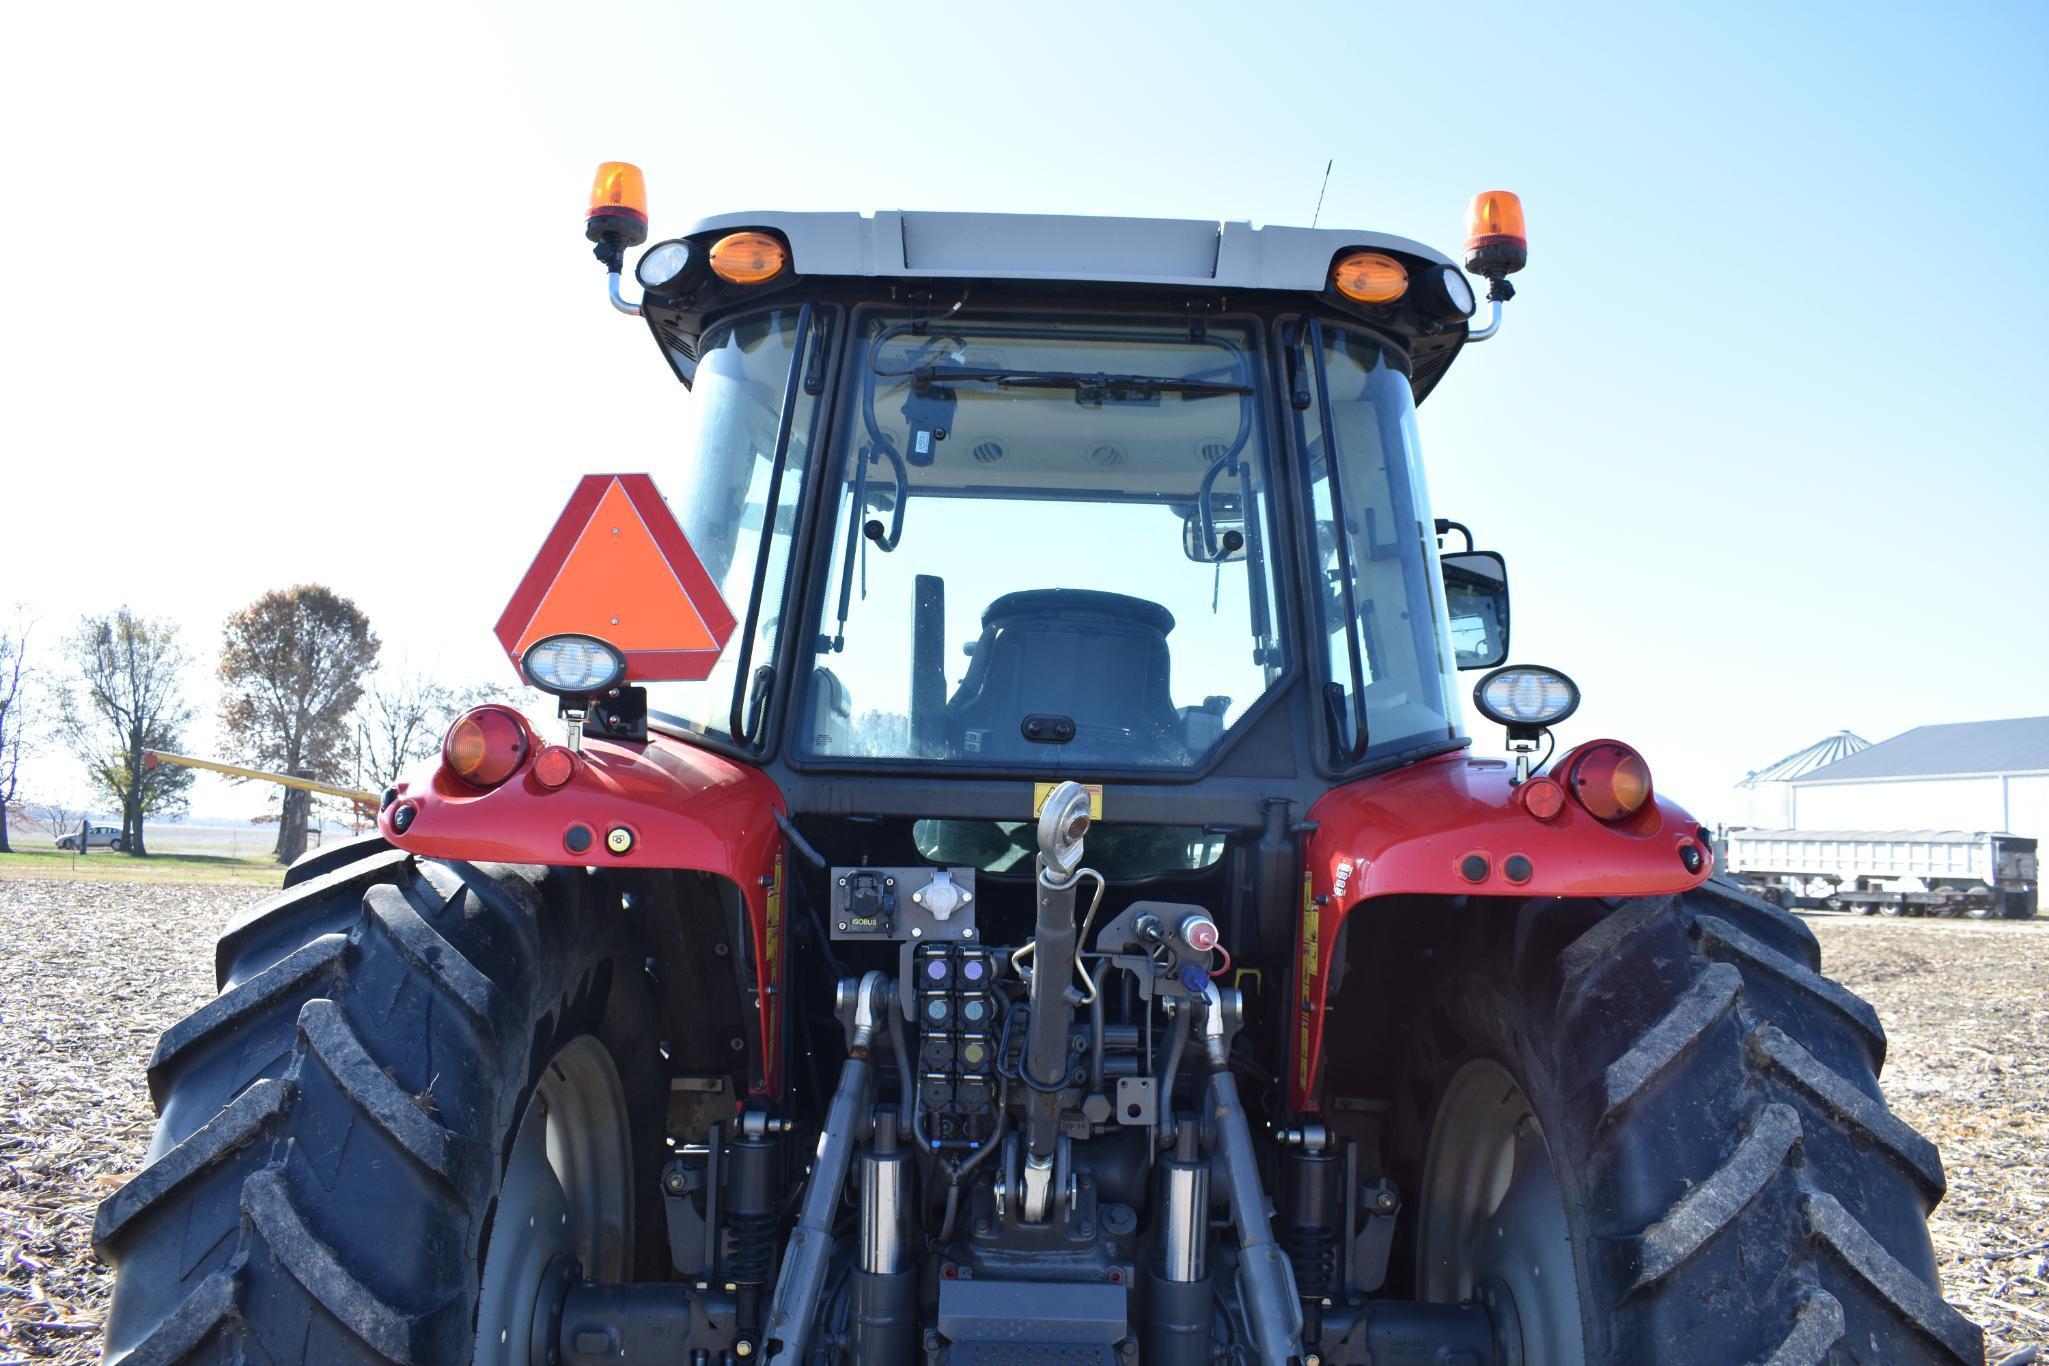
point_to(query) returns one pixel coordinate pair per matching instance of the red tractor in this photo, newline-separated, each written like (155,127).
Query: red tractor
(1009,882)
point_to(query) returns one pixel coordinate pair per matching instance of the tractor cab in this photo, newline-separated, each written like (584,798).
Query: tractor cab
(980,510)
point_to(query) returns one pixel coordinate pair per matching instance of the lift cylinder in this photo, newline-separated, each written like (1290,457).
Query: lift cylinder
(885,1305)
(1178,1292)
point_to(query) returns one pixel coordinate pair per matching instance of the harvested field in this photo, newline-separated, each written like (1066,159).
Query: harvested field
(1966,1014)
(90,973)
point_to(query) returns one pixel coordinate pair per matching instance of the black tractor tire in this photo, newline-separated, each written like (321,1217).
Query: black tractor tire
(1735,1189)
(333,1126)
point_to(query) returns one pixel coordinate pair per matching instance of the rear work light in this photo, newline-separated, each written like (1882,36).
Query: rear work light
(1526,696)
(573,666)
(1610,780)
(486,745)
(1367,277)
(748,258)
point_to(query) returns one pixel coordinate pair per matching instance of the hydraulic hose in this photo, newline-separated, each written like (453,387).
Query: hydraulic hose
(1177,1042)
(907,1097)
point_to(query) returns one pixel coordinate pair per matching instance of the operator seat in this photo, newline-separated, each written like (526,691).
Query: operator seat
(1099,659)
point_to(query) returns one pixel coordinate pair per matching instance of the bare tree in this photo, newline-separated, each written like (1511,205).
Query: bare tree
(56,817)
(16,715)
(293,663)
(126,704)
(400,722)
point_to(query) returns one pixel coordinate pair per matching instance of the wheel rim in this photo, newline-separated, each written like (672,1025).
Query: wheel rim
(1492,1220)
(566,1197)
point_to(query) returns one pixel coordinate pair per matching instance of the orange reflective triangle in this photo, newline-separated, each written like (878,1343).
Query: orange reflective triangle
(616,566)
(617,586)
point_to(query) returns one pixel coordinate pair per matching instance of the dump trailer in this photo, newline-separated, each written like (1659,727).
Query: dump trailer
(1893,872)
(1009,880)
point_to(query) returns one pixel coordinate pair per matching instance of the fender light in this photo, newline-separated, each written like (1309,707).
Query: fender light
(1610,780)
(486,745)
(748,258)
(1367,277)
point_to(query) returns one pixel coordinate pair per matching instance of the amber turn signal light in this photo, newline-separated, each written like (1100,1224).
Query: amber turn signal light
(748,258)
(486,745)
(1610,780)
(1367,277)
(1497,244)
(618,207)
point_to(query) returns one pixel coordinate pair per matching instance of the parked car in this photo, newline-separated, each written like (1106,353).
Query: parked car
(97,837)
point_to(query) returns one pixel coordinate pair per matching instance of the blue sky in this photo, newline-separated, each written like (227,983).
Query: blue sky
(292,297)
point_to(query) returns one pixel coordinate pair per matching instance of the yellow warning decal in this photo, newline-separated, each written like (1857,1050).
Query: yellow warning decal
(1041,791)
(772,922)
(1310,926)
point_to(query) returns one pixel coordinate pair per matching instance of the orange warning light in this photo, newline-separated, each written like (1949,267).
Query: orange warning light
(619,187)
(748,258)
(618,209)
(1367,277)
(617,566)
(1497,244)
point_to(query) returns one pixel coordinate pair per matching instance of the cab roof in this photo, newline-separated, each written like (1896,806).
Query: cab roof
(1023,246)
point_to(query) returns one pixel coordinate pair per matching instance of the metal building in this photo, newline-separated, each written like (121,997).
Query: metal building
(1970,775)
(1768,793)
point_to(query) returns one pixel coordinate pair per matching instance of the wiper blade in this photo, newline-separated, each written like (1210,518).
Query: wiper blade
(1082,382)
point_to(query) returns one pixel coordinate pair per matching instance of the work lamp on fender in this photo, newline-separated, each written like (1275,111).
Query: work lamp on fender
(1526,696)
(573,666)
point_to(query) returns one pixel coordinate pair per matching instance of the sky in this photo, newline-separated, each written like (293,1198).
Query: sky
(299,294)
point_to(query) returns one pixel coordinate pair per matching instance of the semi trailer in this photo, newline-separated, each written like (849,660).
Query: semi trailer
(1980,874)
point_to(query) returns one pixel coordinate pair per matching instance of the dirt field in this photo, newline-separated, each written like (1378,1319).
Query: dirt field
(89,974)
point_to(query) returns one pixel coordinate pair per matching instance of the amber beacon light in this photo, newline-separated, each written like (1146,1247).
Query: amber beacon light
(1497,244)
(618,208)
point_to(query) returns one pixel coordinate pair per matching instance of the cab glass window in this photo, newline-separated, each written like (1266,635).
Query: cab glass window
(1387,655)
(738,514)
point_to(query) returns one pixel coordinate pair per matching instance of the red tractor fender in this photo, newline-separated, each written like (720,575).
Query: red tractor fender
(1457,826)
(681,808)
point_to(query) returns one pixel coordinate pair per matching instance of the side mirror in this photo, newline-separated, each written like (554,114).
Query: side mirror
(1476,596)
(1230,542)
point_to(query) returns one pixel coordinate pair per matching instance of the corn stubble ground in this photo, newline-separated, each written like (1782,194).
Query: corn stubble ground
(91,973)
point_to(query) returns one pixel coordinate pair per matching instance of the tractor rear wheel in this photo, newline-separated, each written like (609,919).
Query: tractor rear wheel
(1654,1131)
(424,1090)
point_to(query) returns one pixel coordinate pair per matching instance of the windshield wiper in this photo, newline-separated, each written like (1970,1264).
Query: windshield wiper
(1084,383)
